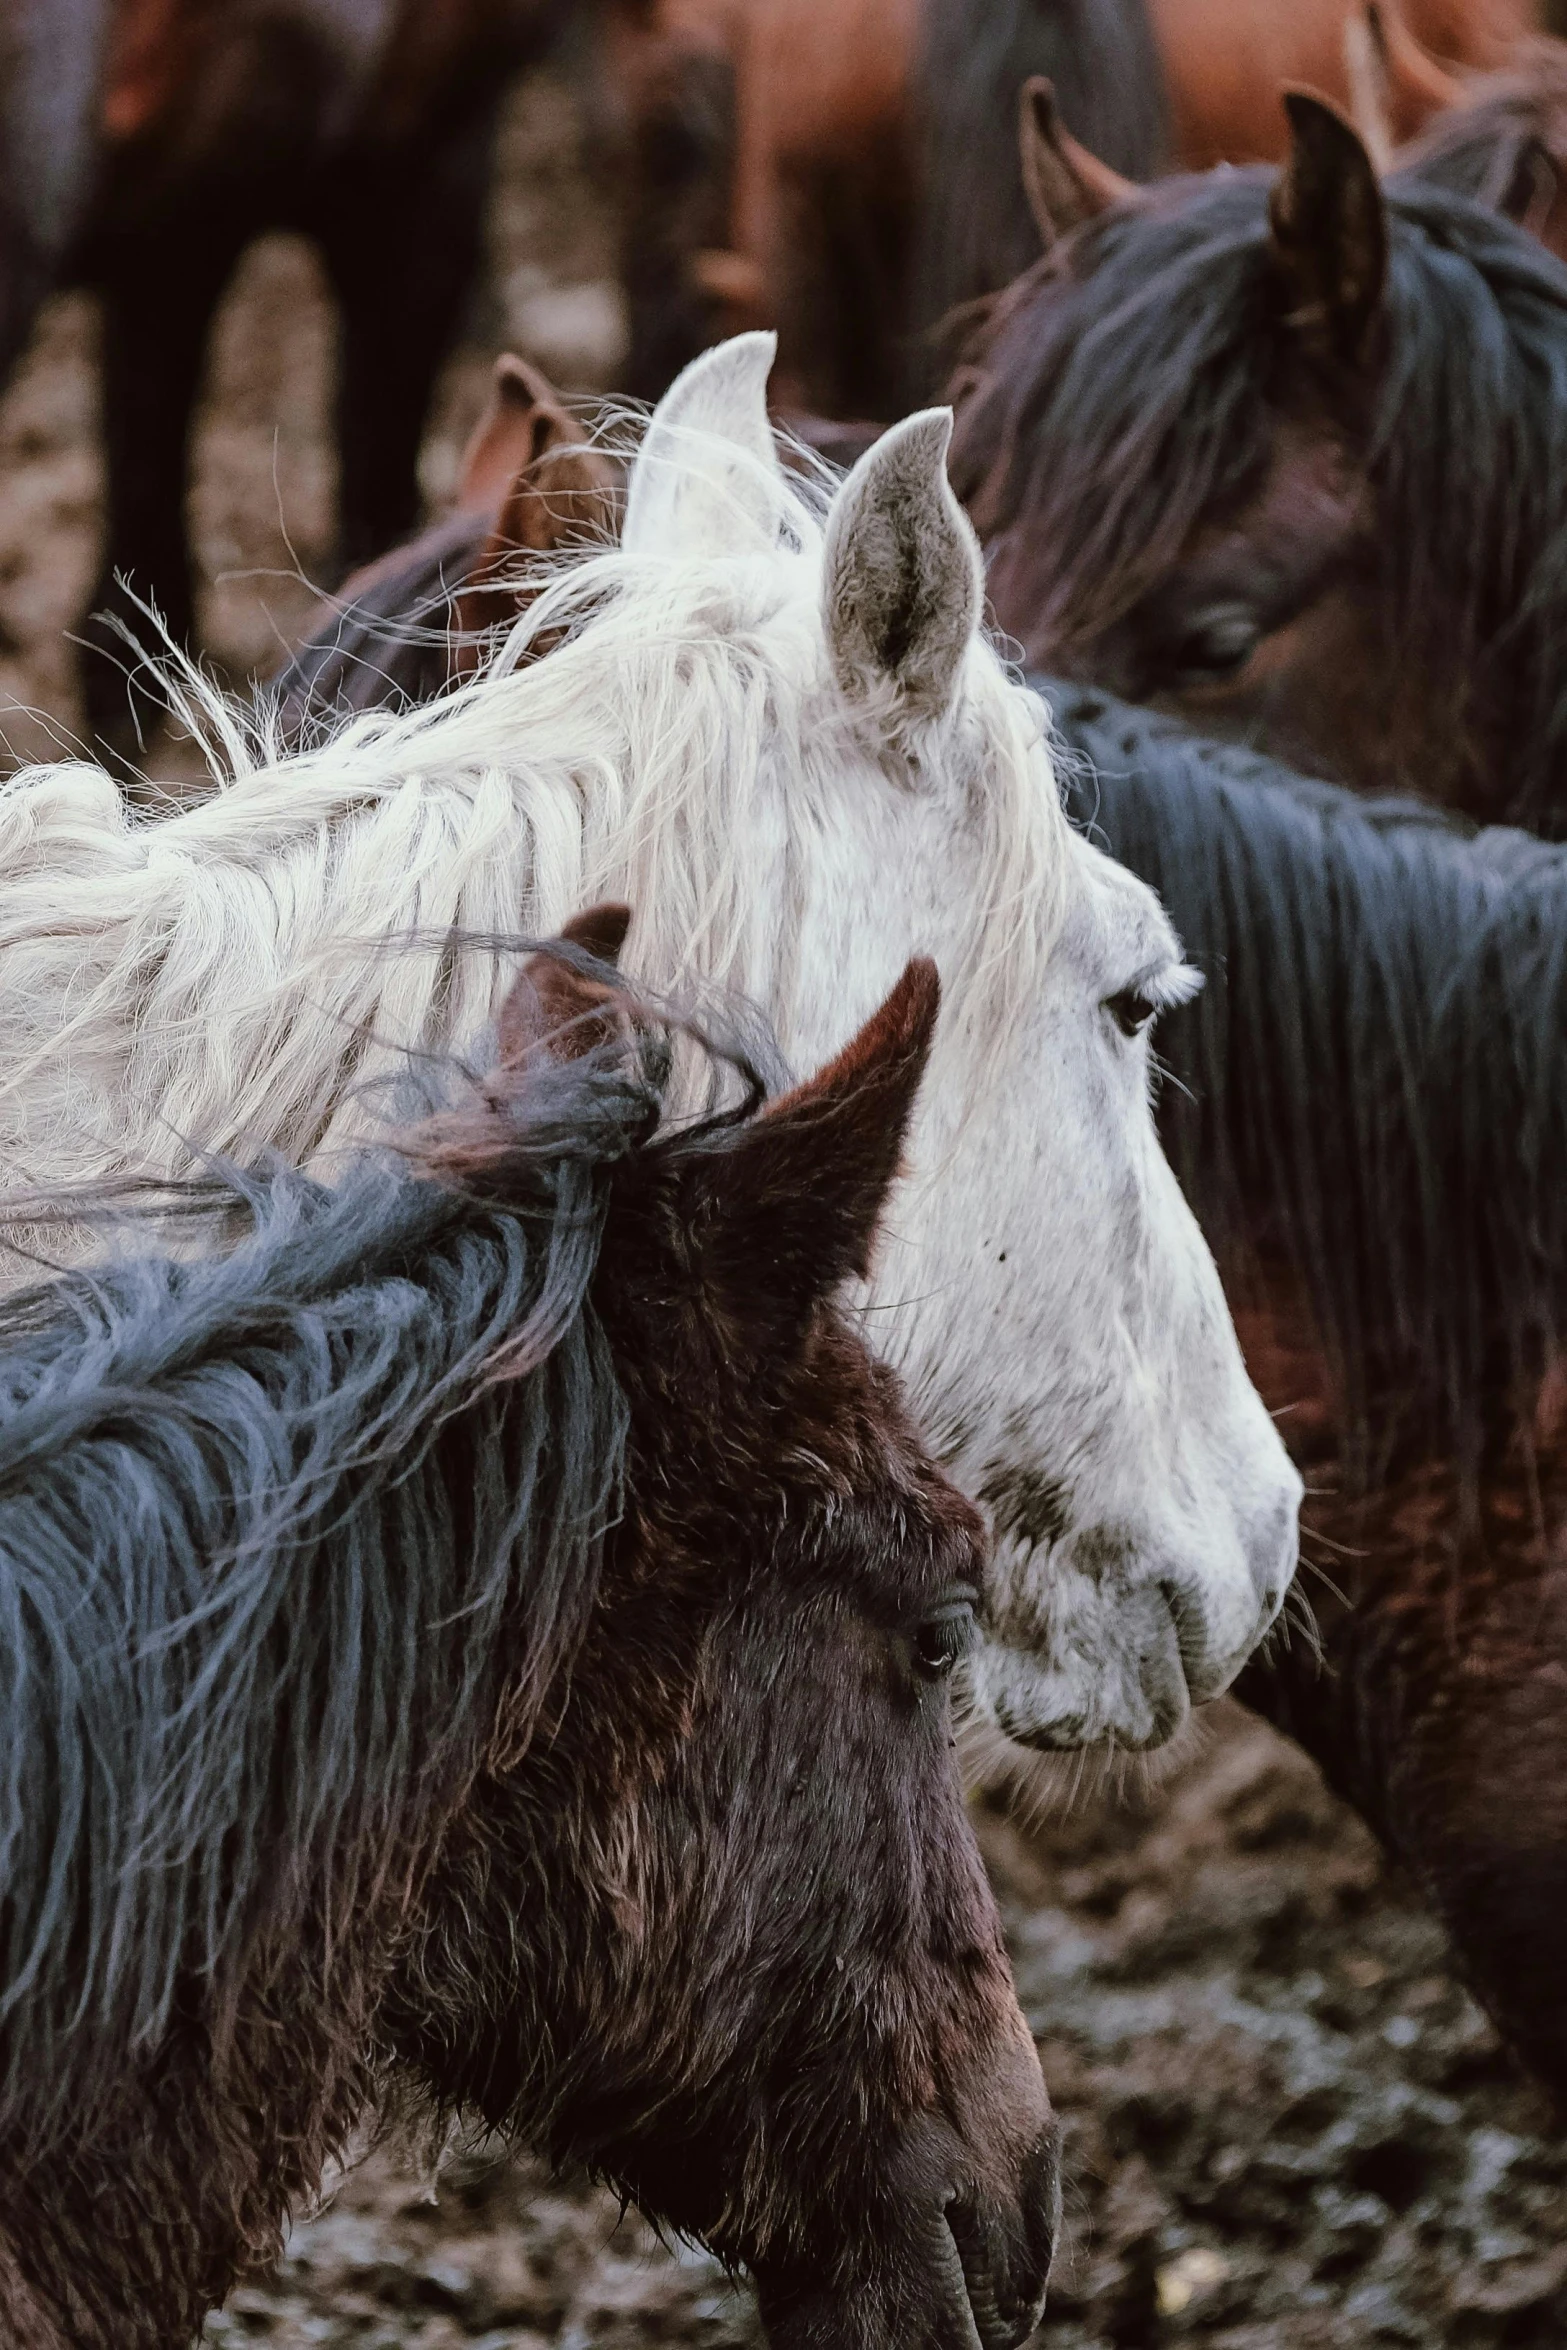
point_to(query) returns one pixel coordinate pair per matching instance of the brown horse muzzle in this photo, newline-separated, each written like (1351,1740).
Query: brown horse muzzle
(966,2271)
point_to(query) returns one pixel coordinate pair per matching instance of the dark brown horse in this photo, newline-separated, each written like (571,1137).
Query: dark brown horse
(483,1641)
(367,125)
(1288,455)
(1371,1116)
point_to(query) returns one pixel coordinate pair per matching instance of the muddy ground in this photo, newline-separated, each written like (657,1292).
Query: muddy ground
(1286,2127)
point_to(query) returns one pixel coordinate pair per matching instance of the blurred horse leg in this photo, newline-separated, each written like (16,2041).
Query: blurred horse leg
(402,230)
(159,295)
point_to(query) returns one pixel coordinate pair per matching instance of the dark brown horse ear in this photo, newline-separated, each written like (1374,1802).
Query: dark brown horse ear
(1064,183)
(1395,85)
(1327,233)
(523,417)
(553,1004)
(792,1206)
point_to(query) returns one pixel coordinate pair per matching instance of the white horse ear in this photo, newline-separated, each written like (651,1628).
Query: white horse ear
(707,475)
(903,581)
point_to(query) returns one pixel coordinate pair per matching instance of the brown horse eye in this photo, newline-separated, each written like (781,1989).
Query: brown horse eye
(945,1637)
(1131,1010)
(1222,642)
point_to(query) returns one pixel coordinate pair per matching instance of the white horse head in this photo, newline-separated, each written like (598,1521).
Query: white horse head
(771,723)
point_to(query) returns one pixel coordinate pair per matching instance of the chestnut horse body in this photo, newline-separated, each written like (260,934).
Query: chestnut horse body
(846,174)
(545,1404)
(1226,61)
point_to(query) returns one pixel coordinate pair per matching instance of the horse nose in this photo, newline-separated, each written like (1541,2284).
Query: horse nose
(1006,2257)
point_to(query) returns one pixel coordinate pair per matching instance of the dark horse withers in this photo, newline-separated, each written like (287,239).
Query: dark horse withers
(483,1639)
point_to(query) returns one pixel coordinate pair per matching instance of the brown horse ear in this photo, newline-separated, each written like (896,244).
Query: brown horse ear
(556,1005)
(528,465)
(792,1205)
(1327,233)
(522,418)
(1395,85)
(1064,183)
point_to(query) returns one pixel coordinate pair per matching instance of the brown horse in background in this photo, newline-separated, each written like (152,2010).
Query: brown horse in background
(1370,1114)
(367,125)
(1287,455)
(419,619)
(1226,61)
(830,168)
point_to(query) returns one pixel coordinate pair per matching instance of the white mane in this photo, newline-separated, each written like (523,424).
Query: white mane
(219,976)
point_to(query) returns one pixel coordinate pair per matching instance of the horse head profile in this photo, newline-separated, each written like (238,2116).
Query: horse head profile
(1208,444)
(768,716)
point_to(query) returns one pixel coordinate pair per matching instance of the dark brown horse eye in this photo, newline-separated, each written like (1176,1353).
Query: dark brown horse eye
(1131,1010)
(1219,644)
(945,1637)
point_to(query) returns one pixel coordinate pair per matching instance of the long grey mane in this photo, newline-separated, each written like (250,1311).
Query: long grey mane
(1374,1080)
(275,1527)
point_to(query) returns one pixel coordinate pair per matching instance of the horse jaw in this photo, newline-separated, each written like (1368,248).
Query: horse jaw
(1043,1286)
(706,477)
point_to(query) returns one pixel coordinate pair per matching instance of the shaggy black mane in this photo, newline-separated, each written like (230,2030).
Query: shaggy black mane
(276,1526)
(1375,1078)
(1130,400)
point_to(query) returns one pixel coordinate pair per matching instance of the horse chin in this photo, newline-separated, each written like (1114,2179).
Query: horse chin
(971,2309)
(949,2297)
(954,2308)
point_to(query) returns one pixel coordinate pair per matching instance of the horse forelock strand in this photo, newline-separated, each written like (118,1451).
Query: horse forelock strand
(221,977)
(1130,401)
(278,1528)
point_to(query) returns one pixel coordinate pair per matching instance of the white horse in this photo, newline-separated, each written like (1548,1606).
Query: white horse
(772,725)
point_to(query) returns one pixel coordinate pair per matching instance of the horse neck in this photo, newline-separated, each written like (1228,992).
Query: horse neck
(360,1476)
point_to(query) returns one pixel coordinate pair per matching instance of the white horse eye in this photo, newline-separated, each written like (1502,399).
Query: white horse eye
(1131,1009)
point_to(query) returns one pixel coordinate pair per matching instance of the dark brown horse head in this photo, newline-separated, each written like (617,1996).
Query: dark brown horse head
(739,1954)
(1283,453)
